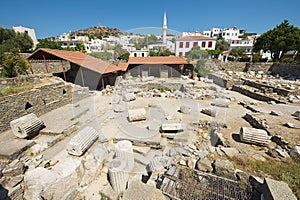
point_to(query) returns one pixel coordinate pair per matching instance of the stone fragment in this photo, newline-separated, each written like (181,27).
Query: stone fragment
(124,151)
(15,168)
(172,127)
(119,108)
(282,153)
(138,190)
(118,175)
(156,164)
(275,113)
(148,78)
(82,141)
(224,168)
(277,190)
(254,136)
(137,114)
(184,108)
(204,165)
(127,97)
(230,152)
(289,125)
(209,112)
(296,114)
(16,180)
(295,153)
(221,103)
(26,126)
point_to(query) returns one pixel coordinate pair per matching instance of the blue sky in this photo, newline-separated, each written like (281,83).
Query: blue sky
(52,18)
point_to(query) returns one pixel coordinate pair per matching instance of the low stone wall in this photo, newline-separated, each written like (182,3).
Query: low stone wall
(261,86)
(54,66)
(254,95)
(20,80)
(37,101)
(257,67)
(231,66)
(220,81)
(292,70)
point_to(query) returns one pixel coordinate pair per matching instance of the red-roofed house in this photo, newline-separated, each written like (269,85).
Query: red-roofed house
(185,44)
(84,70)
(157,66)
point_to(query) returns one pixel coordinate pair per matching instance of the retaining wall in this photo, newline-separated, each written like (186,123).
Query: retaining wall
(37,101)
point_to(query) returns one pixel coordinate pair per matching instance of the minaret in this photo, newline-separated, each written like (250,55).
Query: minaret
(164,28)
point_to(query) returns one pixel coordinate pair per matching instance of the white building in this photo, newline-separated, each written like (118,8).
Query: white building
(185,44)
(139,53)
(68,40)
(243,43)
(29,31)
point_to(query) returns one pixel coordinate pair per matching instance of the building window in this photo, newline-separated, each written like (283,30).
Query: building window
(210,44)
(180,53)
(143,55)
(134,54)
(180,44)
(187,45)
(195,44)
(203,44)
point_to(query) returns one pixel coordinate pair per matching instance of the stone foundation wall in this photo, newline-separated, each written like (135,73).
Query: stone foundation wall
(21,80)
(285,69)
(220,81)
(254,95)
(54,66)
(37,101)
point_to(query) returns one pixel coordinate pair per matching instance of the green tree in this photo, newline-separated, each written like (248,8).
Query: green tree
(279,40)
(106,56)
(120,53)
(9,40)
(196,53)
(47,43)
(13,64)
(222,45)
(201,68)
(80,47)
(237,52)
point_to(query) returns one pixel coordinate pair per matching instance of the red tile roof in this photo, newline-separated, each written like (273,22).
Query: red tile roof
(122,66)
(81,59)
(195,38)
(167,60)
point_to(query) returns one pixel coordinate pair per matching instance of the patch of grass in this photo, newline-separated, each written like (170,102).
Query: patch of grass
(103,196)
(15,89)
(287,171)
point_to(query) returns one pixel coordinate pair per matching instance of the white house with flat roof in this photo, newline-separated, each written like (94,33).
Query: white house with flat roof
(185,44)
(29,31)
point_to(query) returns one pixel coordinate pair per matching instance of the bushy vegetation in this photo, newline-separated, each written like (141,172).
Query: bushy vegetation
(287,171)
(279,40)
(15,89)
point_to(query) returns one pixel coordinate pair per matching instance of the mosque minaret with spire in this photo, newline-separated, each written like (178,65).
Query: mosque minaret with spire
(164,29)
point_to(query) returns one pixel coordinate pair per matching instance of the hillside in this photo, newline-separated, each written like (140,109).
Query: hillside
(98,32)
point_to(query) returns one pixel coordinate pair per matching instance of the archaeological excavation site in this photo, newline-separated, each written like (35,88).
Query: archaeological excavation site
(152,130)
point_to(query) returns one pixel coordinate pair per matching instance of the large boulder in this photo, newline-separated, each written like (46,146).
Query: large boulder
(295,153)
(224,168)
(204,165)
(138,190)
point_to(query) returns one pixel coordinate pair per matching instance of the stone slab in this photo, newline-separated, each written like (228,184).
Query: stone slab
(11,146)
(141,150)
(277,190)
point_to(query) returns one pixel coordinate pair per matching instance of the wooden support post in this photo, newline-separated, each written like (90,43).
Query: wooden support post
(160,71)
(46,64)
(148,70)
(139,70)
(63,68)
(82,78)
(171,72)
(102,81)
